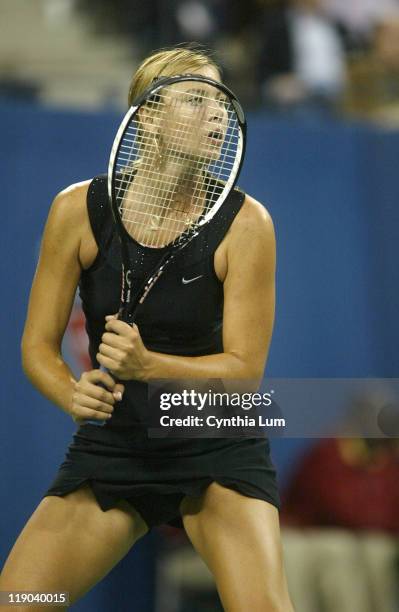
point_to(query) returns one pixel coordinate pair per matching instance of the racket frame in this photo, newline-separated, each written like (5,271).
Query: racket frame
(128,306)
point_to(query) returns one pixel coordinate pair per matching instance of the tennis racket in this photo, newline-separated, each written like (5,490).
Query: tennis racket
(175,159)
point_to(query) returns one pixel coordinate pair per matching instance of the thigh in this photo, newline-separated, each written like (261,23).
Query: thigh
(69,544)
(239,539)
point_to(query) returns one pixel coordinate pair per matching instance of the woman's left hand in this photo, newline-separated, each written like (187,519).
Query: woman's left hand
(122,351)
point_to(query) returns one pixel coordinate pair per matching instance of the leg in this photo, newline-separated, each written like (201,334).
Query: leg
(70,544)
(380,553)
(301,569)
(341,572)
(238,537)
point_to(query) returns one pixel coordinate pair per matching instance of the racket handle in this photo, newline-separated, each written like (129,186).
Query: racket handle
(96,421)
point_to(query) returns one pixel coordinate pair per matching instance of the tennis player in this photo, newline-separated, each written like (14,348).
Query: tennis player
(211,317)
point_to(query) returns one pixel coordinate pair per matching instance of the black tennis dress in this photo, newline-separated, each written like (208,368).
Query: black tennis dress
(119,460)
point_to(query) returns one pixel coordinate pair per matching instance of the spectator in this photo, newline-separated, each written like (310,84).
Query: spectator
(341,518)
(302,62)
(373,91)
(357,18)
(196,20)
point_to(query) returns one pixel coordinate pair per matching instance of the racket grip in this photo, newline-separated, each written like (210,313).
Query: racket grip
(96,421)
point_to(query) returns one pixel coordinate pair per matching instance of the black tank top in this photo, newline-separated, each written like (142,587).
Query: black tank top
(182,314)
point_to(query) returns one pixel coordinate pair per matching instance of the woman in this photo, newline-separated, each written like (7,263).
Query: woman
(116,483)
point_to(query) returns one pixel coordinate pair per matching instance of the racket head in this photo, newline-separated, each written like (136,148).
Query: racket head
(175,158)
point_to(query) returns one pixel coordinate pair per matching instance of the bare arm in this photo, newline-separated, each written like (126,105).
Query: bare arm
(249,300)
(52,296)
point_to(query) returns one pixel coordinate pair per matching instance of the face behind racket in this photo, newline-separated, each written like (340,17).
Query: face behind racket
(175,158)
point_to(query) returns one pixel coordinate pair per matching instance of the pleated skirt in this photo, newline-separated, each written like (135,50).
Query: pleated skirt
(154,475)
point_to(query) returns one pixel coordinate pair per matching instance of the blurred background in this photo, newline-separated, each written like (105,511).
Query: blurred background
(330,56)
(320,82)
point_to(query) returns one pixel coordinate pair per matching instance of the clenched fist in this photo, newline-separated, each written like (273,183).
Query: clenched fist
(94,396)
(122,351)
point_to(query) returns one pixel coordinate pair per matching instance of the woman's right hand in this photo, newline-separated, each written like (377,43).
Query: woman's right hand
(94,396)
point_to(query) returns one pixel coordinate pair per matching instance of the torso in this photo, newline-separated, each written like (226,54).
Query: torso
(88,248)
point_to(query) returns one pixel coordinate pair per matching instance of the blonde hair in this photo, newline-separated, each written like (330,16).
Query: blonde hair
(169,62)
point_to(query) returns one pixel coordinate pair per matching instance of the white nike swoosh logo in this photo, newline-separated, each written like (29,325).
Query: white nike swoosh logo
(185,281)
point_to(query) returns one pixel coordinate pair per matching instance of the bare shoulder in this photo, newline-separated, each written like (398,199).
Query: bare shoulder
(68,226)
(69,205)
(253,222)
(251,245)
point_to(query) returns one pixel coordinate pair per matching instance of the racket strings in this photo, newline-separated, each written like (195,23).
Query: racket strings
(160,204)
(168,194)
(173,161)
